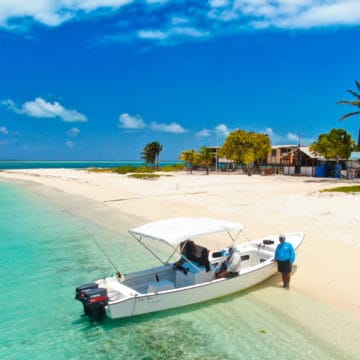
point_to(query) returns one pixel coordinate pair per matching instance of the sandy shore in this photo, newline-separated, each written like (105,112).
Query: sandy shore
(328,260)
(324,300)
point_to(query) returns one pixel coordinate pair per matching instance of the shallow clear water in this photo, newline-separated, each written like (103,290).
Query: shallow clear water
(45,253)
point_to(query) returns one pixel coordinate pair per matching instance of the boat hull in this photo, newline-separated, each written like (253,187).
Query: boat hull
(146,303)
(164,287)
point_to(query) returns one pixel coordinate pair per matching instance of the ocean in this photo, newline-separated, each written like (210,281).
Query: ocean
(12,165)
(45,252)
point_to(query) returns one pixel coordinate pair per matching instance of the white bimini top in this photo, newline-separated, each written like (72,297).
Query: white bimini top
(175,230)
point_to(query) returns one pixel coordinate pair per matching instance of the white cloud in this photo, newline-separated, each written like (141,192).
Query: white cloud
(127,121)
(321,13)
(74,132)
(40,108)
(3,130)
(275,138)
(52,13)
(203,133)
(218,3)
(219,130)
(269,131)
(185,20)
(188,32)
(69,144)
(171,128)
(152,34)
(292,137)
(9,104)
(288,139)
(296,138)
(156,1)
(222,129)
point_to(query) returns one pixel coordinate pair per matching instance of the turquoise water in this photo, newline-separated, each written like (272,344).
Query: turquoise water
(74,164)
(45,253)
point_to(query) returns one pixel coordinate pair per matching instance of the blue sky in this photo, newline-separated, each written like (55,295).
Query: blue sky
(99,79)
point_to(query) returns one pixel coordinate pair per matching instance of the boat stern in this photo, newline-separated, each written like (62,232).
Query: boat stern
(94,300)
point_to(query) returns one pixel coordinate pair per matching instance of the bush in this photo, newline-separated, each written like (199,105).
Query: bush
(144,176)
(345,189)
(174,167)
(132,169)
(99,170)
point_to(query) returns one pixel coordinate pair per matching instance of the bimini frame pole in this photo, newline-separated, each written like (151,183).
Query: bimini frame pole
(172,254)
(233,238)
(147,248)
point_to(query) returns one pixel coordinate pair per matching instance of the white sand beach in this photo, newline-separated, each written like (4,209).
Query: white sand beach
(327,262)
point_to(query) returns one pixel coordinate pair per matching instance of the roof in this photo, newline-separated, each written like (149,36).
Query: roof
(355,155)
(175,230)
(311,154)
(292,146)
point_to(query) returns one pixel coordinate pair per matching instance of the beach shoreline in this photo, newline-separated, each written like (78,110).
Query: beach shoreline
(327,261)
(265,205)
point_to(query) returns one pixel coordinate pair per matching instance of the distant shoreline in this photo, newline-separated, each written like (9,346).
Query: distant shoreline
(74,164)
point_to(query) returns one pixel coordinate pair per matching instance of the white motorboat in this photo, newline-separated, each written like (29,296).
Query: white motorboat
(170,285)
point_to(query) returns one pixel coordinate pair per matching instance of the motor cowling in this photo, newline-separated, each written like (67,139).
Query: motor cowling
(94,300)
(80,291)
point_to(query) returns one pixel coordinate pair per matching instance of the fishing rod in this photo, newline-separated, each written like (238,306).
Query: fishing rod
(118,274)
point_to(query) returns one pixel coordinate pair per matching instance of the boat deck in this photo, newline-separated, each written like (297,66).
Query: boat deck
(166,278)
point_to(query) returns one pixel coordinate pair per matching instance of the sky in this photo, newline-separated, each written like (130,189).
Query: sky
(99,79)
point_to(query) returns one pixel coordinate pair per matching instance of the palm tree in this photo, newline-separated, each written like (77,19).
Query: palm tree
(355,102)
(151,153)
(191,157)
(206,158)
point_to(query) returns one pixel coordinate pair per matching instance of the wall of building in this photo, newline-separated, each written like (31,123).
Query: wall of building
(304,170)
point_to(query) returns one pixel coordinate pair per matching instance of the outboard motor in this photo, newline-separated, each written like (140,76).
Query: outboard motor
(94,300)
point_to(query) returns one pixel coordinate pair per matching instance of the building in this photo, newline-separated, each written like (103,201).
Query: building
(353,165)
(294,160)
(221,163)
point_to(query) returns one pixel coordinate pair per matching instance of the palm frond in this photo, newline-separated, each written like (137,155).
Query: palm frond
(349,114)
(355,103)
(353,93)
(357,84)
(347,102)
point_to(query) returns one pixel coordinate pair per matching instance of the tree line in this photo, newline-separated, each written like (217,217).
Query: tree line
(250,148)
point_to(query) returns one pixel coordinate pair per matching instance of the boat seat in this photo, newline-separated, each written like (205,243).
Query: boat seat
(114,285)
(194,267)
(161,285)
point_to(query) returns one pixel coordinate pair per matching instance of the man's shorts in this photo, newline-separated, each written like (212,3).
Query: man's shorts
(284,266)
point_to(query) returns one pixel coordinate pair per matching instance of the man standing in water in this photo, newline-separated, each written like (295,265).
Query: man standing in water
(285,256)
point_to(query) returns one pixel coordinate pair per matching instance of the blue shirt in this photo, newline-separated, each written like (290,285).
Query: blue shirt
(285,252)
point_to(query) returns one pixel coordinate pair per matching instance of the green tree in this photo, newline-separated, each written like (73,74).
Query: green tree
(191,157)
(337,144)
(151,153)
(355,102)
(246,147)
(206,158)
